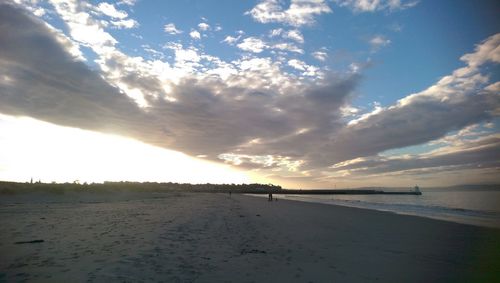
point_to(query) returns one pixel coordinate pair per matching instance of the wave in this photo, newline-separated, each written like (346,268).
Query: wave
(416,207)
(455,214)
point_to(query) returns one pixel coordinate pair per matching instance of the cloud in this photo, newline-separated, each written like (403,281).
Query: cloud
(297,64)
(307,70)
(49,75)
(127,24)
(195,34)
(454,102)
(320,55)
(83,29)
(249,108)
(287,47)
(379,41)
(171,29)
(203,26)
(275,32)
(110,10)
(376,5)
(118,17)
(377,108)
(252,44)
(127,2)
(300,12)
(206,117)
(294,34)
(275,163)
(467,154)
(33,6)
(257,45)
(231,40)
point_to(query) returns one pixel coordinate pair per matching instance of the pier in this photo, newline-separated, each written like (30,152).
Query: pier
(340,192)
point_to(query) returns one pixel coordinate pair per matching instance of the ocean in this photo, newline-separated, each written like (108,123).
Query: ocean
(475,206)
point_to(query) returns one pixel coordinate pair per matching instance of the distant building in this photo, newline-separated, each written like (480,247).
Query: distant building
(416,189)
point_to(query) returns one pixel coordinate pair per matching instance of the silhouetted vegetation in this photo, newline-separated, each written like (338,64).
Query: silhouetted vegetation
(13,187)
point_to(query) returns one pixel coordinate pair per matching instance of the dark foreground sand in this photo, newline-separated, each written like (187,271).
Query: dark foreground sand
(216,238)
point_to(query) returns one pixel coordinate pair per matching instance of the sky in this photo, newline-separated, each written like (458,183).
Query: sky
(300,93)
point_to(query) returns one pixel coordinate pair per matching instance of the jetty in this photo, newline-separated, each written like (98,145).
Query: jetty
(416,191)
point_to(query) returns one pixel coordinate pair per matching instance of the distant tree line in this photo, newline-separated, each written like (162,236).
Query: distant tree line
(13,187)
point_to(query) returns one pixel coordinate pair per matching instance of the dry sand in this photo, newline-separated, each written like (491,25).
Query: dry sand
(168,237)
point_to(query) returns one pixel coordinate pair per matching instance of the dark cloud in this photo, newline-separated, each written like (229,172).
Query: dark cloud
(480,153)
(49,84)
(415,123)
(205,123)
(42,80)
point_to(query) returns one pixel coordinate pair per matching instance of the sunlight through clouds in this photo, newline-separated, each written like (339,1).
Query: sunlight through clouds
(40,150)
(288,89)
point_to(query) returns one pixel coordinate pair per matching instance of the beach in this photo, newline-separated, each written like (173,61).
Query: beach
(209,237)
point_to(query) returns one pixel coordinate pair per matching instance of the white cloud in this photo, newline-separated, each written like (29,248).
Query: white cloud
(127,2)
(355,67)
(187,55)
(300,12)
(275,32)
(294,35)
(376,5)
(288,47)
(195,34)
(203,26)
(378,42)
(83,28)
(153,52)
(257,45)
(297,64)
(307,70)
(488,50)
(171,29)
(348,110)
(39,12)
(110,10)
(377,108)
(265,161)
(231,40)
(252,44)
(454,87)
(320,55)
(127,24)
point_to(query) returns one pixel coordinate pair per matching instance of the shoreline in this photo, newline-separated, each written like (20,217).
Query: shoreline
(453,219)
(196,237)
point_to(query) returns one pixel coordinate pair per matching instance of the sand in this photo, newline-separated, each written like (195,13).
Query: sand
(169,237)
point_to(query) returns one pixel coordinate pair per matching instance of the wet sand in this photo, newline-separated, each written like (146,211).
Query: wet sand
(170,237)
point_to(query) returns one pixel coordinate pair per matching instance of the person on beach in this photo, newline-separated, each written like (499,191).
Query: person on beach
(270,197)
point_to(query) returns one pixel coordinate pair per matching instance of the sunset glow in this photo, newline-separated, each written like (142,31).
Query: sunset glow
(305,94)
(46,152)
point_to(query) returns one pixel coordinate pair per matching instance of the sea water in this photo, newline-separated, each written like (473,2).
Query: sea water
(476,206)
